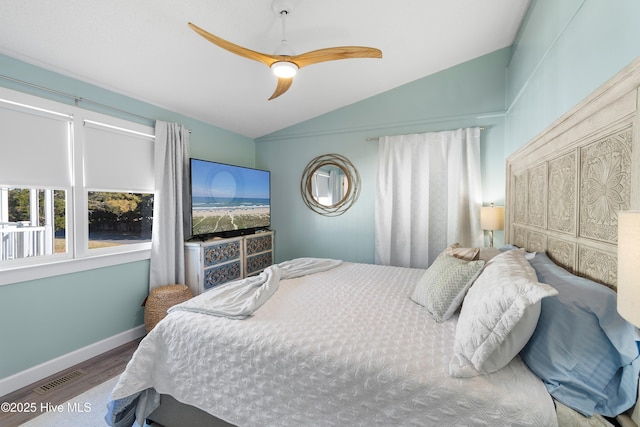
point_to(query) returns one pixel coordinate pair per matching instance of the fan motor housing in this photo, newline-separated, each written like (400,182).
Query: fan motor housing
(281,6)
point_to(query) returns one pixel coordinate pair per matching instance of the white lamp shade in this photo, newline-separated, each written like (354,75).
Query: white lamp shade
(629,266)
(492,218)
(284,69)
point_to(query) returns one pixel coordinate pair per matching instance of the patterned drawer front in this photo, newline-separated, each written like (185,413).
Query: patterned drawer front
(258,262)
(258,244)
(224,252)
(218,275)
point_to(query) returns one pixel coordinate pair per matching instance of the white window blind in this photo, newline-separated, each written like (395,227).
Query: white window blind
(118,159)
(35,146)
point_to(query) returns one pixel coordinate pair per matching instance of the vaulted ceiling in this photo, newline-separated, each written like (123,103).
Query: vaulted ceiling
(144,49)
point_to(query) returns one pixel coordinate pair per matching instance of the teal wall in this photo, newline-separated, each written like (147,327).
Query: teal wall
(44,319)
(470,94)
(565,50)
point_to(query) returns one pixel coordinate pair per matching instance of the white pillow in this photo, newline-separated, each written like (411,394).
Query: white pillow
(444,284)
(498,316)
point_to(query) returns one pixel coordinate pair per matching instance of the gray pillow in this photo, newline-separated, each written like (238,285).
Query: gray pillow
(443,286)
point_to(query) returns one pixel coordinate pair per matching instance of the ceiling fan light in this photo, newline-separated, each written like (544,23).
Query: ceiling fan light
(284,69)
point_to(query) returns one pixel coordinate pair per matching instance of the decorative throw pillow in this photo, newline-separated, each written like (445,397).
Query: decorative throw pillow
(456,250)
(499,315)
(444,284)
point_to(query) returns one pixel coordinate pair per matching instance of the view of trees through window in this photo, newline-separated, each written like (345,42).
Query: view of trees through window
(33,221)
(119,218)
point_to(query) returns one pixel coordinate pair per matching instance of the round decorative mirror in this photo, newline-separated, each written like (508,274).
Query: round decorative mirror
(330,184)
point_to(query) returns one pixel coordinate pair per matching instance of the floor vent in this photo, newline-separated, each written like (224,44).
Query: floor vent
(51,385)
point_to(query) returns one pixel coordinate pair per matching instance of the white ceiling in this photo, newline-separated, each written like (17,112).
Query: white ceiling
(144,49)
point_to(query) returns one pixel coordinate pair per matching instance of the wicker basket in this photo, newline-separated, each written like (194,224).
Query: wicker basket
(160,300)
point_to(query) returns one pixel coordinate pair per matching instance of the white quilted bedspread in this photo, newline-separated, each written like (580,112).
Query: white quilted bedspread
(345,347)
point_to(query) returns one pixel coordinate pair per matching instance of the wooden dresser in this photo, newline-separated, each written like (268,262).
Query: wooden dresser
(217,261)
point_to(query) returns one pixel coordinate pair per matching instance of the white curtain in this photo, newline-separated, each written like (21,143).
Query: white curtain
(429,195)
(171,164)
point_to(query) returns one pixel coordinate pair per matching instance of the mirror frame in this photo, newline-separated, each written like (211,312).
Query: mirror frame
(353,180)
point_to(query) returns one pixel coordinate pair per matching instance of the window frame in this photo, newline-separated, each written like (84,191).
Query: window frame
(78,257)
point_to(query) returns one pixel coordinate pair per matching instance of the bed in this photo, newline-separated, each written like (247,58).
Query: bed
(323,353)
(357,344)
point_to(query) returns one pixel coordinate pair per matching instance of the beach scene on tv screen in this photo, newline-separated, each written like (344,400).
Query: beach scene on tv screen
(228,198)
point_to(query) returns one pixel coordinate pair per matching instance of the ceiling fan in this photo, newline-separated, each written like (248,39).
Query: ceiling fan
(284,62)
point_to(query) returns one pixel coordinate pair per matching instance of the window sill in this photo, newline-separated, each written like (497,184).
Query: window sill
(57,268)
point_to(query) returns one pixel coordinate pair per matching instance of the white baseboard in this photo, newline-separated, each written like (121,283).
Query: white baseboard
(39,372)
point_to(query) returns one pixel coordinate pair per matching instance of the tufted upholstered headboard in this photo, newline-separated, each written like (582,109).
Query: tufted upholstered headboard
(566,186)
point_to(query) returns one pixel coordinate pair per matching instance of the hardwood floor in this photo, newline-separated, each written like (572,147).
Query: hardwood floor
(67,384)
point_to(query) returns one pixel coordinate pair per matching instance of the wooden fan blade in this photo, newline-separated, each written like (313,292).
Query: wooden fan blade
(234,48)
(335,53)
(283,85)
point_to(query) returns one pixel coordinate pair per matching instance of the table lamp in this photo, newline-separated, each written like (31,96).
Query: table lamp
(629,272)
(628,266)
(492,218)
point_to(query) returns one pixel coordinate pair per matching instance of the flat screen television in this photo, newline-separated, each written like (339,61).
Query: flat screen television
(228,200)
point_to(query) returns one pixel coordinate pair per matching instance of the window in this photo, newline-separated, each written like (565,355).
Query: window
(73,184)
(118,177)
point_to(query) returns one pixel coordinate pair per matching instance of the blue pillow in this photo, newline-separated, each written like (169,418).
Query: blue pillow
(586,354)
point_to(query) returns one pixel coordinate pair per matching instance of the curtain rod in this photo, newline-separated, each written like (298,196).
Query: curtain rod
(375,138)
(75,97)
